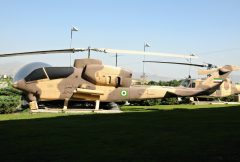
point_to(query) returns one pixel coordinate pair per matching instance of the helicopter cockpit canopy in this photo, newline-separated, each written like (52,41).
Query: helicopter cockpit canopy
(49,72)
(188,83)
(25,70)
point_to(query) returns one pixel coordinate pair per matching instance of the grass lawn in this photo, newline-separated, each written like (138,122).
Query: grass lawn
(156,133)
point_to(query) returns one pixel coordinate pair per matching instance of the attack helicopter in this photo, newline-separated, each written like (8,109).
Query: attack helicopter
(224,89)
(88,80)
(91,80)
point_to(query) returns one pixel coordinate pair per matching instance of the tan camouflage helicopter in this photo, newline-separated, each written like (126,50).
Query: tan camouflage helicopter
(225,87)
(90,80)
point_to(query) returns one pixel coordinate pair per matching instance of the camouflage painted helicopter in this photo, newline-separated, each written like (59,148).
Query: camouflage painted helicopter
(224,89)
(90,80)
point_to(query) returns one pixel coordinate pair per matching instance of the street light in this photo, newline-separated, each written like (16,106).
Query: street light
(73,29)
(146,45)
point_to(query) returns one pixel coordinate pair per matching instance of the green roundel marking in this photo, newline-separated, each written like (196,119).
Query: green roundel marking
(124,93)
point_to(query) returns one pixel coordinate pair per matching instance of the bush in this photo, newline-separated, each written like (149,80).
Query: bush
(185,100)
(228,99)
(152,102)
(9,104)
(9,92)
(169,101)
(10,100)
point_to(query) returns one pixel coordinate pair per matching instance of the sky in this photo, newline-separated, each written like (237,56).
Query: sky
(208,28)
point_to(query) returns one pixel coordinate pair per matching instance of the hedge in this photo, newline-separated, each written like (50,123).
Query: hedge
(10,100)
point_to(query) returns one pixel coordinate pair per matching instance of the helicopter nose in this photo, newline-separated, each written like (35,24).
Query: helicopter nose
(19,84)
(15,84)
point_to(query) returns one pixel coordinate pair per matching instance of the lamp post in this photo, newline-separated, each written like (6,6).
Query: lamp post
(189,70)
(116,60)
(73,29)
(146,45)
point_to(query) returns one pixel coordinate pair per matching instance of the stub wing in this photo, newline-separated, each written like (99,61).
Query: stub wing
(81,94)
(88,91)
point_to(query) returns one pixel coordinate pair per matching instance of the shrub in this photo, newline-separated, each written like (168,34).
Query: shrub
(10,100)
(228,99)
(169,101)
(152,102)
(9,104)
(9,92)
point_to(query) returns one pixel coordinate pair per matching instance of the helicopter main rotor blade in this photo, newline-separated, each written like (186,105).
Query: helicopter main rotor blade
(130,52)
(71,50)
(178,63)
(104,50)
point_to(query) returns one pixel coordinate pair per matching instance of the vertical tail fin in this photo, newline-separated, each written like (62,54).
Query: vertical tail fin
(216,76)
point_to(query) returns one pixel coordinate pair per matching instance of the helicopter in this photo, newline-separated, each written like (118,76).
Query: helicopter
(91,80)
(225,89)
(87,80)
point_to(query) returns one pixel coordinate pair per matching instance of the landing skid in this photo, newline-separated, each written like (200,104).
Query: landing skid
(75,111)
(74,107)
